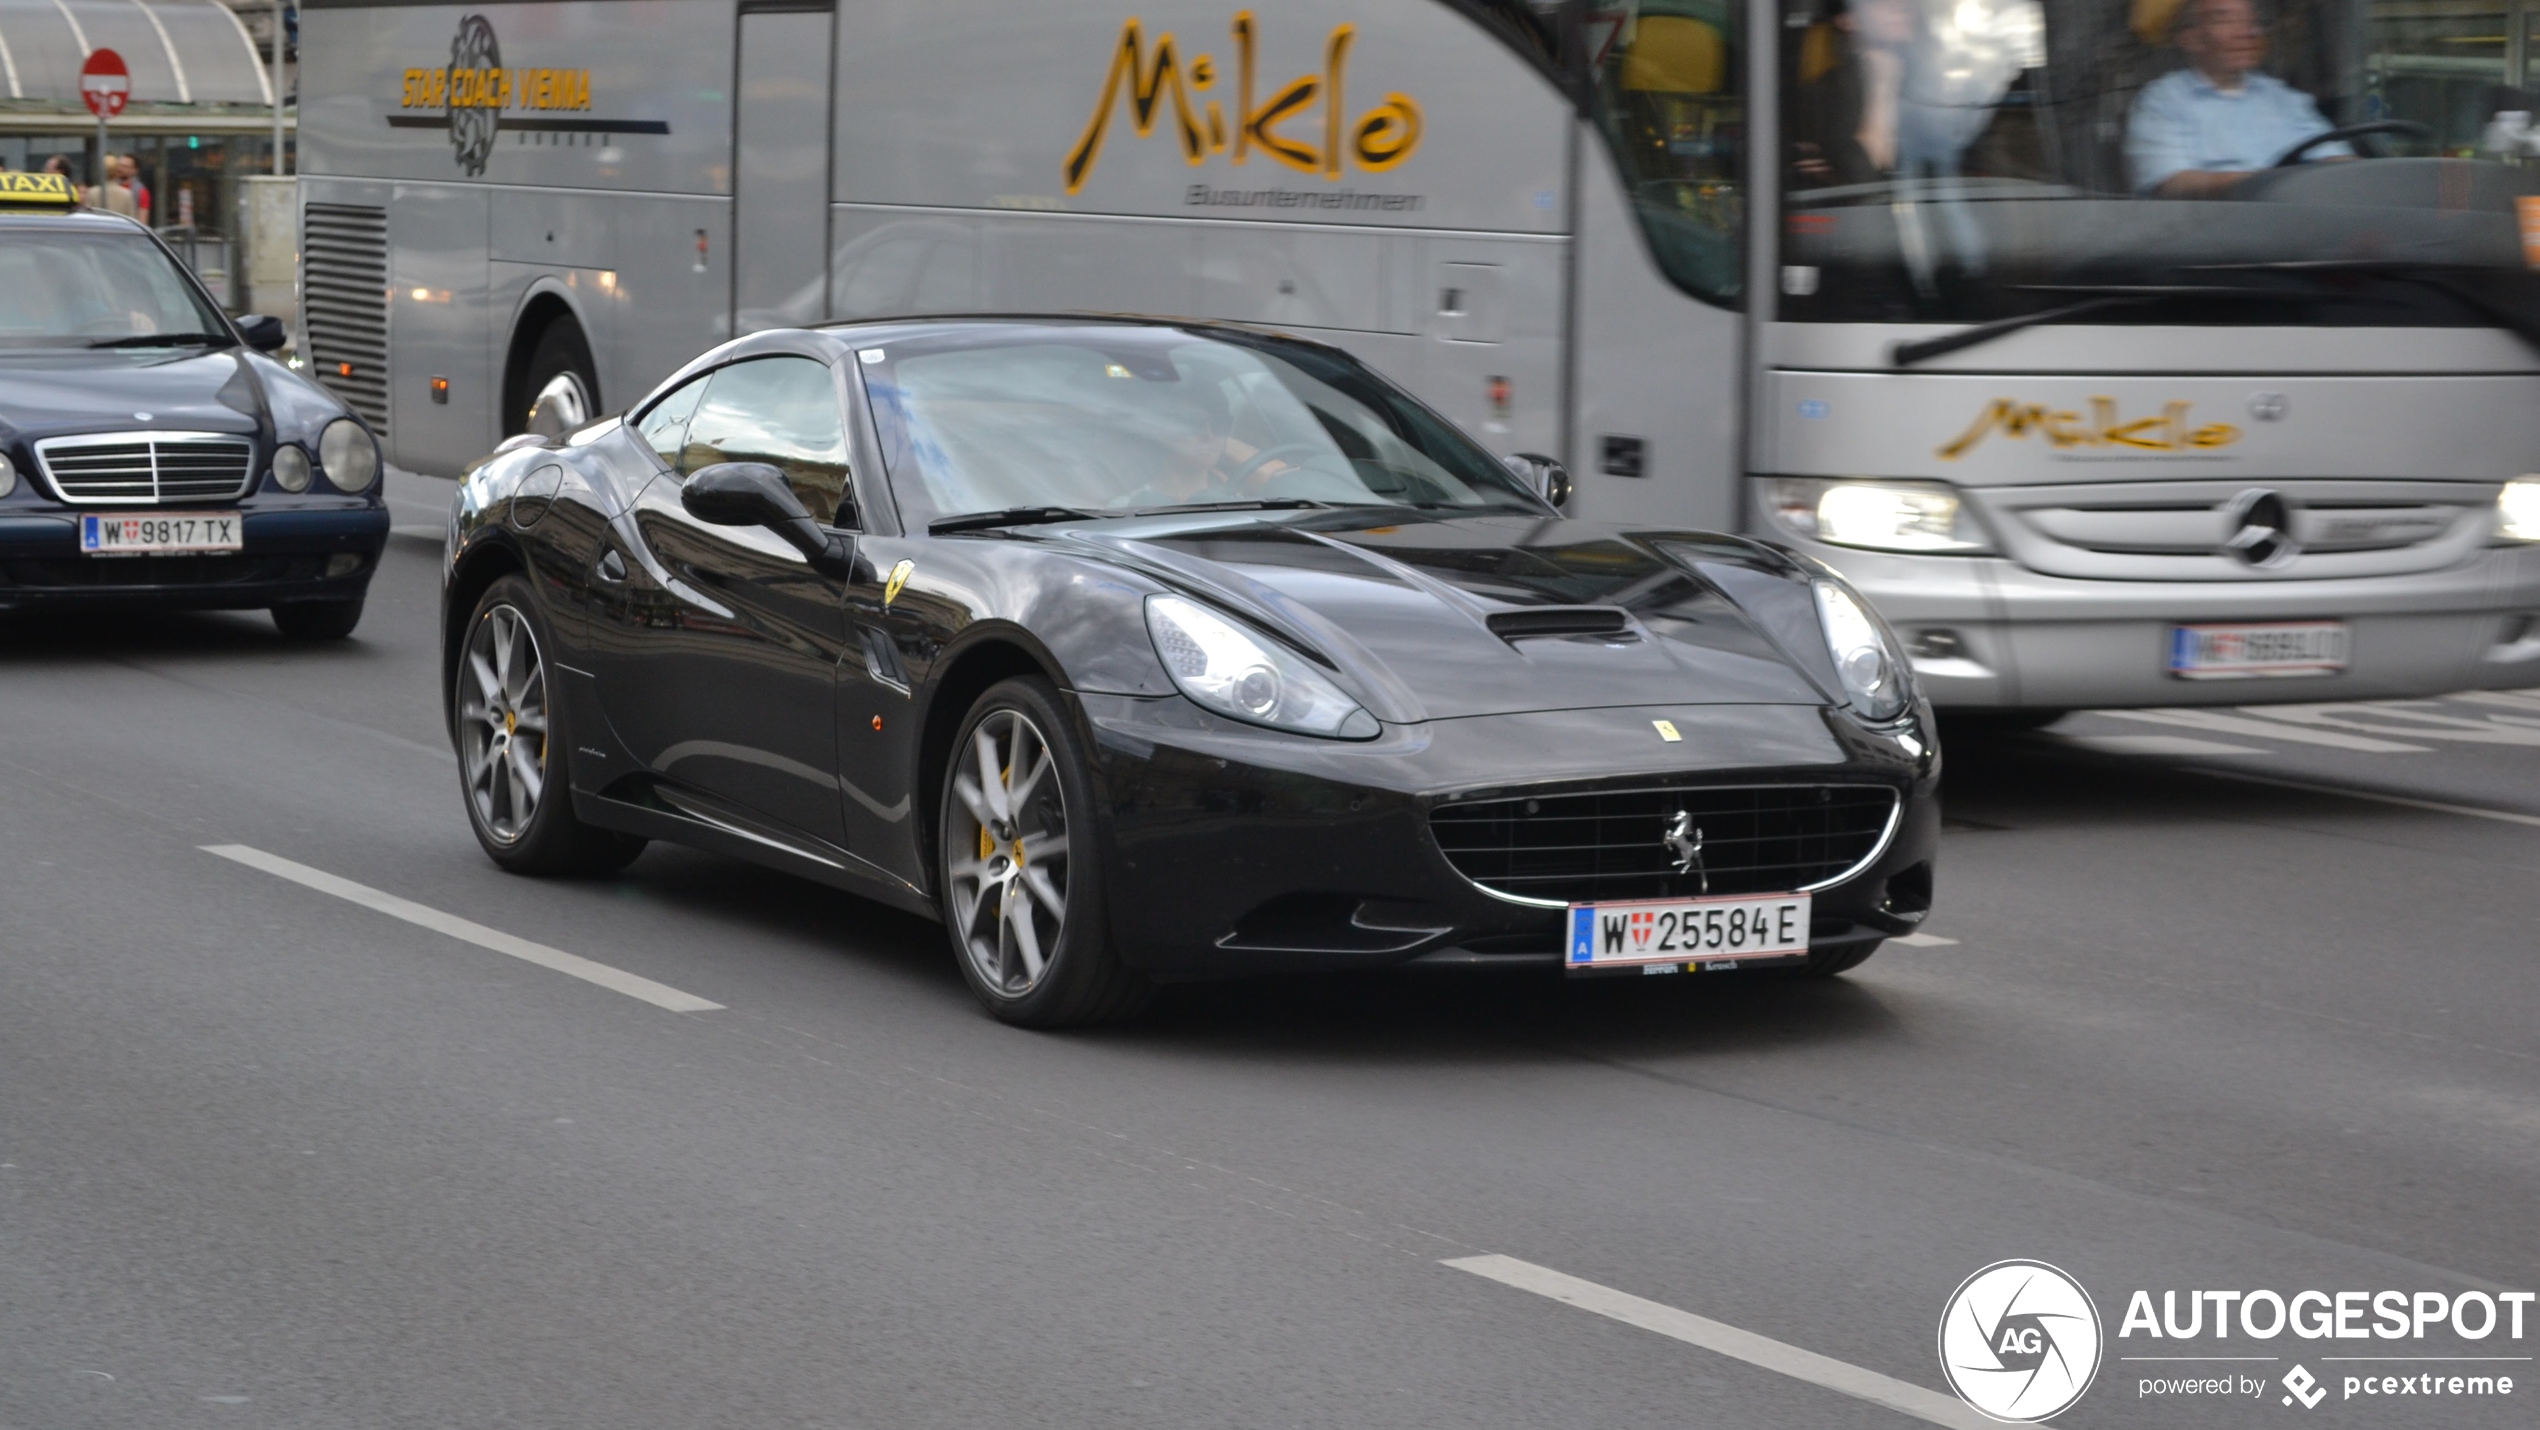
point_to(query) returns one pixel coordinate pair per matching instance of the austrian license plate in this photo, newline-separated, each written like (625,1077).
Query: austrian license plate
(158,533)
(2245,652)
(1653,932)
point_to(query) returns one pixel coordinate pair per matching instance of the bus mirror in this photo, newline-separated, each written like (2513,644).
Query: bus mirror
(1542,475)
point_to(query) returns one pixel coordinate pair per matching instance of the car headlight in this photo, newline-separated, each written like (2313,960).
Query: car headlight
(1872,674)
(1881,516)
(2517,509)
(350,457)
(290,468)
(1232,671)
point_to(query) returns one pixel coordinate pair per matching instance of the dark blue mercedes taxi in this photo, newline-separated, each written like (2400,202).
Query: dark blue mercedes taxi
(151,452)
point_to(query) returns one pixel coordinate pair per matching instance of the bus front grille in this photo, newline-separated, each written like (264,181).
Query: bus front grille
(344,300)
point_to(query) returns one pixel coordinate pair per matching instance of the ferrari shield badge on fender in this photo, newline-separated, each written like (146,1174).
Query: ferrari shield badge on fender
(1666,730)
(899,578)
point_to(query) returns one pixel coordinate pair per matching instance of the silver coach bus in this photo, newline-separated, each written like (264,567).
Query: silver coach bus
(2123,350)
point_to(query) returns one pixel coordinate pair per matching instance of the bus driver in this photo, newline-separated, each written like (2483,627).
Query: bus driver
(2197,131)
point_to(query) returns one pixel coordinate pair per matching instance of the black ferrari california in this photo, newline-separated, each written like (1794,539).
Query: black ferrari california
(1140,651)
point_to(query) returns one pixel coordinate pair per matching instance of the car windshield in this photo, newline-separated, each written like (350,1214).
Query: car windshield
(1123,419)
(61,288)
(2359,162)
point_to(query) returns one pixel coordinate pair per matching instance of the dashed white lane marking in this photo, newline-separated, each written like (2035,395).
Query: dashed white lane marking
(1924,940)
(2504,816)
(616,980)
(1727,1340)
(2267,730)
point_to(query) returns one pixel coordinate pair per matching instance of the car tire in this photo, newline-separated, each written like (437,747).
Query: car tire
(1019,875)
(318,620)
(520,804)
(560,389)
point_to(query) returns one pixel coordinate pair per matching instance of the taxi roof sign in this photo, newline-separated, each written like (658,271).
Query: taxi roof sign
(35,190)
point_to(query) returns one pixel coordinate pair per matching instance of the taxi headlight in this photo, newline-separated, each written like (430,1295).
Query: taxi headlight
(2518,509)
(8,475)
(350,457)
(290,468)
(1873,675)
(1230,670)
(1881,516)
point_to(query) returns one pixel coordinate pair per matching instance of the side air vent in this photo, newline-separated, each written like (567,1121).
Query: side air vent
(1558,621)
(344,302)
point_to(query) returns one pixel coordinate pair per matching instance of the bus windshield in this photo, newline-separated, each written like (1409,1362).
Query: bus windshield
(2351,162)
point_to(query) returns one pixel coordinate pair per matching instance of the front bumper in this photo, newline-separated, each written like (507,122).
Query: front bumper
(2033,641)
(1238,851)
(285,557)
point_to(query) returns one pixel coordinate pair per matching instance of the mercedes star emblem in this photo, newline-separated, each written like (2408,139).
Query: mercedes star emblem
(2260,527)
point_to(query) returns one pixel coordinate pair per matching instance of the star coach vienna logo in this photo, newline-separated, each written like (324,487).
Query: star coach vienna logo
(2020,1341)
(476,98)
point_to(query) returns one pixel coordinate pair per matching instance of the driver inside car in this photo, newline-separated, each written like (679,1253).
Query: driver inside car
(2197,131)
(1205,462)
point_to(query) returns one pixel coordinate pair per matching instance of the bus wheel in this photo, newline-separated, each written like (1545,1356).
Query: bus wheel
(563,391)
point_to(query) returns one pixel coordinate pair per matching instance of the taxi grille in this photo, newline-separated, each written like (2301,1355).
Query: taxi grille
(133,468)
(1613,844)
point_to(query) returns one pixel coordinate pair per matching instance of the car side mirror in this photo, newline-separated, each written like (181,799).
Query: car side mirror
(1542,475)
(756,494)
(263,331)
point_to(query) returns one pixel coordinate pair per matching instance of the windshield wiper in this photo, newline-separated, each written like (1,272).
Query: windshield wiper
(2100,296)
(2525,326)
(166,340)
(1262,504)
(1010,516)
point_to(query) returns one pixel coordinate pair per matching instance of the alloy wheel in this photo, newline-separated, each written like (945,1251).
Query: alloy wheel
(1006,853)
(503,723)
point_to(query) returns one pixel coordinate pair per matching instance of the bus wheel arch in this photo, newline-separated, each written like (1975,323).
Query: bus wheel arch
(551,384)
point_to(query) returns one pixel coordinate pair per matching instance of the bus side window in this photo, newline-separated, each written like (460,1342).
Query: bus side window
(665,427)
(1674,113)
(782,411)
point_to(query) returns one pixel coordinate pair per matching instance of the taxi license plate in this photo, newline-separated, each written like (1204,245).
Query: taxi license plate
(2244,652)
(1653,932)
(158,533)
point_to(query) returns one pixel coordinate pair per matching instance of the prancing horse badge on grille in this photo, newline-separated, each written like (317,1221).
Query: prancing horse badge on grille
(1684,840)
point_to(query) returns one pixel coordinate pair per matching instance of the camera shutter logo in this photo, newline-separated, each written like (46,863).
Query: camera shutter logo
(2020,1341)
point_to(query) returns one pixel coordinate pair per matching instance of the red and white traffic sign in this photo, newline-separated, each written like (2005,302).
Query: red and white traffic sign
(105,83)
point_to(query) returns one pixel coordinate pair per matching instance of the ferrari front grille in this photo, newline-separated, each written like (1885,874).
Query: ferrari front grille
(1583,847)
(138,468)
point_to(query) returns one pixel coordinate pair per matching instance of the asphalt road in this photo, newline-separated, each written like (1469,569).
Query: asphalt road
(270,1157)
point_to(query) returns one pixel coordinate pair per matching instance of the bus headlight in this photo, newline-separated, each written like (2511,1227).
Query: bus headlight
(2518,509)
(1873,674)
(1879,516)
